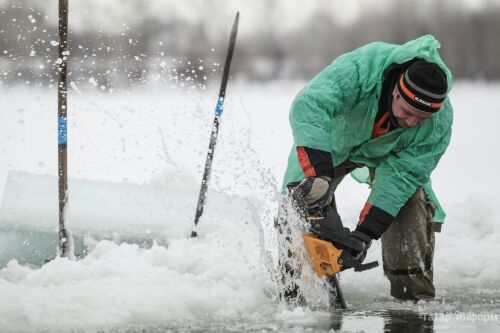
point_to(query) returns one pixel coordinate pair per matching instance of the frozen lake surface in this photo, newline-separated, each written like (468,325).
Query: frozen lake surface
(135,164)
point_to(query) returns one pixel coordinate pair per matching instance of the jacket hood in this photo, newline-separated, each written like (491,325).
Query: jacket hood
(425,47)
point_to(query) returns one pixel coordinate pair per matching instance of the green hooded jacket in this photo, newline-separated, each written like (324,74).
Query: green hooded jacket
(335,112)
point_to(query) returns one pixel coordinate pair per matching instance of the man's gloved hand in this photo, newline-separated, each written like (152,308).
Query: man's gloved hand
(361,243)
(315,191)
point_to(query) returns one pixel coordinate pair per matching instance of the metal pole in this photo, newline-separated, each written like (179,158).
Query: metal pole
(62,62)
(219,108)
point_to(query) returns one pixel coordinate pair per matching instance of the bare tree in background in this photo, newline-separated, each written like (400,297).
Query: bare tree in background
(175,50)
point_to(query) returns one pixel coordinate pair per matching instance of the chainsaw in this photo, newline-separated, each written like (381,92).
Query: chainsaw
(328,244)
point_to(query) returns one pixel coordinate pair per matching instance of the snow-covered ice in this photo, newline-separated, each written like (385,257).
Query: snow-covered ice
(135,165)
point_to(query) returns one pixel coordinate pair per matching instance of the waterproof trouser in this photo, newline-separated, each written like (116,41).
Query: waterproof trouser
(408,250)
(408,244)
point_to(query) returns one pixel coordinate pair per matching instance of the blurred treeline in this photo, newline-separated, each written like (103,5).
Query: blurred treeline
(183,52)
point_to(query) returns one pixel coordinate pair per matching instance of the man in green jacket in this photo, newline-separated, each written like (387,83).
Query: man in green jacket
(384,108)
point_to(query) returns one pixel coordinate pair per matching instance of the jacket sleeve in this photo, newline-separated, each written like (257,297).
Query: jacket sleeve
(333,91)
(314,162)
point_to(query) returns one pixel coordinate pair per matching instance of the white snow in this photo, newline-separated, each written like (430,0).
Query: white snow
(141,153)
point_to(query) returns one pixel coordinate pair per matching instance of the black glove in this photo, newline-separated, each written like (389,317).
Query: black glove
(315,191)
(360,244)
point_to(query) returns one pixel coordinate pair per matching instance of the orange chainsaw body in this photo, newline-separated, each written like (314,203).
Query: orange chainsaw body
(324,256)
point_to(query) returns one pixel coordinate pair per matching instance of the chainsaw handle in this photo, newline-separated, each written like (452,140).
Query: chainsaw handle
(364,267)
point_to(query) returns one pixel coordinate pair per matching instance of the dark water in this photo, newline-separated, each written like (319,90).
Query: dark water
(345,321)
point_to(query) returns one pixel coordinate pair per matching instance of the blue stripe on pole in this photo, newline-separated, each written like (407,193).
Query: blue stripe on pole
(62,130)
(220,107)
